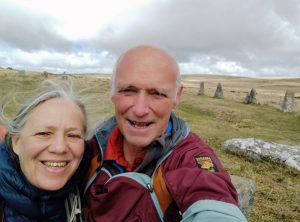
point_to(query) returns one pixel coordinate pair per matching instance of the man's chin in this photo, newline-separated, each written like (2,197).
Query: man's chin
(140,143)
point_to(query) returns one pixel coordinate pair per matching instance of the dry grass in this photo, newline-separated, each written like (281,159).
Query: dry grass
(216,120)
(269,91)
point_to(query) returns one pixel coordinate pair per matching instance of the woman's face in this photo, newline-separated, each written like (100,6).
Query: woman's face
(51,144)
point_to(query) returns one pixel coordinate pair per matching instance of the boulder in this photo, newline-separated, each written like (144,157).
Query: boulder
(201,90)
(219,92)
(251,97)
(257,149)
(246,189)
(287,104)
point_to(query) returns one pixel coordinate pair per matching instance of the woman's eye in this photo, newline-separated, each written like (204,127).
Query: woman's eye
(43,133)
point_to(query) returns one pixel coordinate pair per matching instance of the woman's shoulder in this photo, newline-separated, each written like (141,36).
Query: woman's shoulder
(6,162)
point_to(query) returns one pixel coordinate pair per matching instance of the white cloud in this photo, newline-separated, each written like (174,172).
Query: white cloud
(58,62)
(207,36)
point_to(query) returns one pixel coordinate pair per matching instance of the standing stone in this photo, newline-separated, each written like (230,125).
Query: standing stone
(201,90)
(287,104)
(219,92)
(251,97)
(64,77)
(45,74)
(22,72)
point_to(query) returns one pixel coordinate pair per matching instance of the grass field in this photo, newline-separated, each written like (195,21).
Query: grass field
(215,120)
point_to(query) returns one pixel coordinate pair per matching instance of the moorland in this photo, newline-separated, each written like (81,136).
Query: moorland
(277,195)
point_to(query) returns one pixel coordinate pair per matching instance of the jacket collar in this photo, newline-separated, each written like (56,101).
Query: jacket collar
(158,148)
(25,200)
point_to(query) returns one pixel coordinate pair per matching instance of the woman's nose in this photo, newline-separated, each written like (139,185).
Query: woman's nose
(59,144)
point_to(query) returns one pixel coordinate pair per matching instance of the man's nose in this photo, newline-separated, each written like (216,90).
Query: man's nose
(59,144)
(141,104)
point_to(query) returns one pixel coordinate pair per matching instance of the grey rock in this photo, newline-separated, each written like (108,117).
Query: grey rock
(64,77)
(256,149)
(287,104)
(246,190)
(45,74)
(22,72)
(251,97)
(219,92)
(201,90)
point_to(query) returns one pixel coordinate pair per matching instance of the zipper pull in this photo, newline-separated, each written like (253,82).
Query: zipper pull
(149,187)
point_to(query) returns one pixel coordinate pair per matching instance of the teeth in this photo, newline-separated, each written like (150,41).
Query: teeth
(55,164)
(140,124)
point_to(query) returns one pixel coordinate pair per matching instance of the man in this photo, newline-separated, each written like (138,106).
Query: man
(147,165)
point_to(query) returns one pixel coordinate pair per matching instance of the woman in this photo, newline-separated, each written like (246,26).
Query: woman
(41,158)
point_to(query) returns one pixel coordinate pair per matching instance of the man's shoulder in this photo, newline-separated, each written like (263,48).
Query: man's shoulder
(190,151)
(192,141)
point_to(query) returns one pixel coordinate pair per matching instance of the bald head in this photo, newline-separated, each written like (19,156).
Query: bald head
(145,90)
(145,56)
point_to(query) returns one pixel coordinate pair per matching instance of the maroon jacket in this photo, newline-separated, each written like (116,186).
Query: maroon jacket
(171,187)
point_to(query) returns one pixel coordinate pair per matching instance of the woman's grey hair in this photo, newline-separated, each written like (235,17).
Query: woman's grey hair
(48,89)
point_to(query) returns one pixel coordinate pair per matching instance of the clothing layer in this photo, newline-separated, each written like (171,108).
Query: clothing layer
(169,185)
(23,202)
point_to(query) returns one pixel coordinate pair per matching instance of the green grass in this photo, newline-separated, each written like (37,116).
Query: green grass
(277,197)
(216,120)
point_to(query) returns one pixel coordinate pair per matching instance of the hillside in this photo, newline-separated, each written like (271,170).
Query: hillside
(215,120)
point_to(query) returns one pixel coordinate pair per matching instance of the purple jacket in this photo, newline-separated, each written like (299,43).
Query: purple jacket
(180,179)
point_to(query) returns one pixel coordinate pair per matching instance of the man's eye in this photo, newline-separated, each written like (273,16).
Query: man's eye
(159,94)
(126,90)
(75,136)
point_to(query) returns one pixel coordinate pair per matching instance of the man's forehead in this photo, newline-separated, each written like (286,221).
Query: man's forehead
(147,57)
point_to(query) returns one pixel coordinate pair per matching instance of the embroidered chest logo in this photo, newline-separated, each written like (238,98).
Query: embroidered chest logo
(205,163)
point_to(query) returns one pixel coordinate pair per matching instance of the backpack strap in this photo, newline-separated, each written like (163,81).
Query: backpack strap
(94,165)
(163,195)
(73,207)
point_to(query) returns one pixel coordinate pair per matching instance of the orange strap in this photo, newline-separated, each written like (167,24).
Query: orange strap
(92,169)
(161,191)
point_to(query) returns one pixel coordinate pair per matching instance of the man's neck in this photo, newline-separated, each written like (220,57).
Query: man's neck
(131,153)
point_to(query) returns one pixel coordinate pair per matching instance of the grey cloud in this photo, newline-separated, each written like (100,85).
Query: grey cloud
(258,37)
(29,30)
(254,34)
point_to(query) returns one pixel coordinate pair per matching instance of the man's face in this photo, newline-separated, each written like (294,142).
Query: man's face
(145,94)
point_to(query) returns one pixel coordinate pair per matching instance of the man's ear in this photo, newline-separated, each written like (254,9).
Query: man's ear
(15,144)
(178,95)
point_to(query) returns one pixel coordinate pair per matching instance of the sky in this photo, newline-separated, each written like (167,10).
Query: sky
(230,37)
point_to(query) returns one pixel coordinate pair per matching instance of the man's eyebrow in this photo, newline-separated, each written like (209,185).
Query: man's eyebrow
(160,90)
(126,87)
